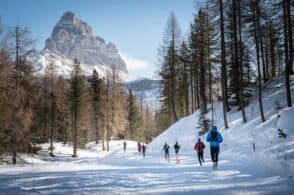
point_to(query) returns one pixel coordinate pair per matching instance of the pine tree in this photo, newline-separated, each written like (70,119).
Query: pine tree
(184,73)
(288,48)
(133,116)
(224,65)
(19,43)
(52,99)
(256,29)
(107,102)
(75,94)
(95,93)
(170,61)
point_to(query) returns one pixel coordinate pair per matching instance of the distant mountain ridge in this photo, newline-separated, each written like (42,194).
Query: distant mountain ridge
(73,38)
(143,84)
(147,89)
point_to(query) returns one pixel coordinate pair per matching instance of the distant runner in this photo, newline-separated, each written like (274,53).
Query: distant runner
(214,138)
(143,150)
(139,148)
(199,147)
(125,145)
(177,148)
(166,151)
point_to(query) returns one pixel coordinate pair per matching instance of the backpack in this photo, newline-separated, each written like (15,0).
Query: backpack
(213,136)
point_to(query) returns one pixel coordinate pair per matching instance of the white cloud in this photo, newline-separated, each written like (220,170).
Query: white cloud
(134,64)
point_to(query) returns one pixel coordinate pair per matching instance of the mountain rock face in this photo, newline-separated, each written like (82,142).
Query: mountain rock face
(73,38)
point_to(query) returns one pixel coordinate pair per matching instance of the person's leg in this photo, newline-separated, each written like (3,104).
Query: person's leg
(212,154)
(199,158)
(216,155)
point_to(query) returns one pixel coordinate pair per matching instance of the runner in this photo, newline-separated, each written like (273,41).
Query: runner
(125,145)
(199,147)
(139,148)
(177,148)
(214,138)
(143,150)
(166,151)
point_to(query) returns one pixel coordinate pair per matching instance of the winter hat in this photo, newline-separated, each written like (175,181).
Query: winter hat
(214,128)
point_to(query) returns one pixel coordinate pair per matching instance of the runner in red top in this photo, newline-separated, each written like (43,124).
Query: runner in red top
(199,147)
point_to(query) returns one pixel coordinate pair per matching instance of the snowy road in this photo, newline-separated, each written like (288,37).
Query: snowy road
(127,173)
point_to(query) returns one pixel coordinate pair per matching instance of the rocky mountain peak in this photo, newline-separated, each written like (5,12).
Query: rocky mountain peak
(73,38)
(68,17)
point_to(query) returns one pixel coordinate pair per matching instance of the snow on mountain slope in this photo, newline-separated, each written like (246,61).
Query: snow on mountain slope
(272,152)
(147,89)
(73,38)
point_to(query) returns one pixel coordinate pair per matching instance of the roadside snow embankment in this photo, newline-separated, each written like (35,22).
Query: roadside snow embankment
(254,143)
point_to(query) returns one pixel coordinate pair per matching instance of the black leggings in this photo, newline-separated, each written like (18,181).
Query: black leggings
(214,153)
(166,153)
(200,157)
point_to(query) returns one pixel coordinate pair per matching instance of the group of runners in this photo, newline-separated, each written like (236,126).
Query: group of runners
(141,148)
(214,138)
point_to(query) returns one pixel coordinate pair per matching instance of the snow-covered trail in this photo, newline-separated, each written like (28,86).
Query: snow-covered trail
(127,173)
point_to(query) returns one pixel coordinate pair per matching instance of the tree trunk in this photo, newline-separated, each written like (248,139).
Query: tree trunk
(224,66)
(51,126)
(103,135)
(287,61)
(96,126)
(256,37)
(272,51)
(262,53)
(290,35)
(107,116)
(240,56)
(192,87)
(202,85)
(197,98)
(75,131)
(173,82)
(186,90)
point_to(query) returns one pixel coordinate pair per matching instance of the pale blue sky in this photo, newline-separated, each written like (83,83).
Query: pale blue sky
(134,26)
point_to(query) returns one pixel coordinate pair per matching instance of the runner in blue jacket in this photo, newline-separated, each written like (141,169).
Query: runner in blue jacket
(214,138)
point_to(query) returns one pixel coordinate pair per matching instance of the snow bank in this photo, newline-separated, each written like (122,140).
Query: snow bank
(272,153)
(184,132)
(286,120)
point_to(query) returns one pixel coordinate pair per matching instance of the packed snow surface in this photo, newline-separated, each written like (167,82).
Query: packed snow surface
(118,172)
(267,170)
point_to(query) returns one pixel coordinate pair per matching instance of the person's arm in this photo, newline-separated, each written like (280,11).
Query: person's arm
(208,138)
(220,138)
(196,146)
(203,145)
